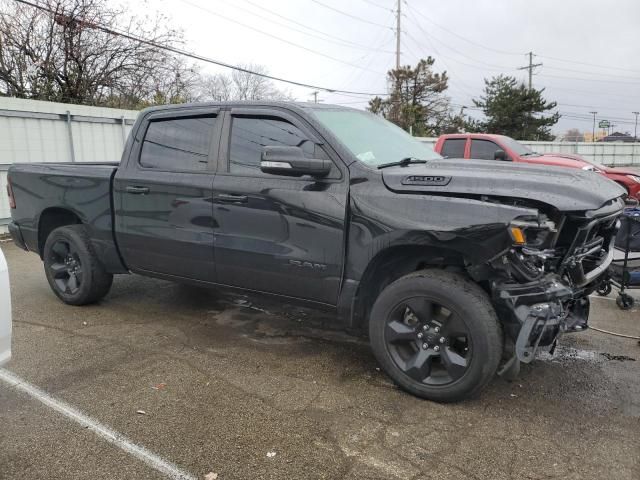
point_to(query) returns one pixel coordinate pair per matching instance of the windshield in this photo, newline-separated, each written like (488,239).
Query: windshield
(372,139)
(516,147)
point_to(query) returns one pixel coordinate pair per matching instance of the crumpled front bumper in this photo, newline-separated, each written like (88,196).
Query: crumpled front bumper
(534,314)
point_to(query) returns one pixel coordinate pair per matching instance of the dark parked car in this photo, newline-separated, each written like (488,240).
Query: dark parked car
(452,267)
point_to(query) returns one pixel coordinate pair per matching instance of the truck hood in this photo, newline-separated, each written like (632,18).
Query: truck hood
(620,171)
(566,189)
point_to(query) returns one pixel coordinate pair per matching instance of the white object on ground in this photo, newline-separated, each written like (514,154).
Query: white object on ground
(5,312)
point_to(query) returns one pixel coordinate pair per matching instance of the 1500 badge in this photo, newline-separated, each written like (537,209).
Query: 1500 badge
(437,180)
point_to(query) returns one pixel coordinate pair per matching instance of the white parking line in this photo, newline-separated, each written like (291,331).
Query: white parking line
(111,436)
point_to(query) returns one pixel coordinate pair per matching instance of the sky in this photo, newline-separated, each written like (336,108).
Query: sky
(589,50)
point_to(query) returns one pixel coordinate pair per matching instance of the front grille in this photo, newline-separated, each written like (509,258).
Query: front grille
(585,245)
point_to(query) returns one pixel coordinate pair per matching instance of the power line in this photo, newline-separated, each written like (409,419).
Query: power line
(583,72)
(202,58)
(446,45)
(326,37)
(608,67)
(273,36)
(291,20)
(503,52)
(459,36)
(341,12)
(374,4)
(590,79)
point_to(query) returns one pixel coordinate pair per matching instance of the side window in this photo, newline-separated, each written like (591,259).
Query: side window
(178,144)
(250,134)
(483,149)
(454,148)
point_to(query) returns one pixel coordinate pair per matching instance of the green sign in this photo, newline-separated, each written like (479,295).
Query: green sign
(604,124)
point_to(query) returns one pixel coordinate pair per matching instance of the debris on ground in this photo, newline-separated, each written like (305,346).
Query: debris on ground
(271,454)
(211,476)
(620,358)
(159,386)
(141,412)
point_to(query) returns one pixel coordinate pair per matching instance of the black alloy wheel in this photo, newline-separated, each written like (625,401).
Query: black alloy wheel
(65,267)
(74,271)
(437,335)
(428,342)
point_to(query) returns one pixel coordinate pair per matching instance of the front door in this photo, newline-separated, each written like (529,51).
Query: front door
(164,212)
(277,234)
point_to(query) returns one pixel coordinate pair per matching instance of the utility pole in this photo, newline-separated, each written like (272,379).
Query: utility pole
(398,30)
(635,129)
(593,130)
(530,67)
(315,96)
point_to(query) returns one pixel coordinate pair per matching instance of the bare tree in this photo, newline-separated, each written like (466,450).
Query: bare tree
(573,135)
(242,86)
(65,54)
(218,88)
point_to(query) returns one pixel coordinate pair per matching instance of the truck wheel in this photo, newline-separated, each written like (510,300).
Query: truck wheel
(72,267)
(436,334)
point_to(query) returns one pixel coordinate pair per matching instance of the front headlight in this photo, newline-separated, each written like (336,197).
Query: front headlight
(635,178)
(531,233)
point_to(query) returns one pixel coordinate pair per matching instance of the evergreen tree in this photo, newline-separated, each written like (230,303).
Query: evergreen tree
(514,110)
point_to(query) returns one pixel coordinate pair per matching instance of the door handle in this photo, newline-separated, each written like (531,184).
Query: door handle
(136,190)
(232,198)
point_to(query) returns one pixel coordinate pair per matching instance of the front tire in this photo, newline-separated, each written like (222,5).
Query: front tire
(73,270)
(436,334)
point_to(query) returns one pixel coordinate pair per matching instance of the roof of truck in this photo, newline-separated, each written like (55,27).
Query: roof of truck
(280,104)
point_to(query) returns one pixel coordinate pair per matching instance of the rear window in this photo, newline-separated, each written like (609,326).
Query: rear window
(453,148)
(178,144)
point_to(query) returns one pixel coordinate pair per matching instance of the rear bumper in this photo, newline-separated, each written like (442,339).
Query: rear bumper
(535,314)
(16,235)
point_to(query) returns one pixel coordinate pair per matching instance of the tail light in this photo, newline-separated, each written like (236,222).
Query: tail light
(12,200)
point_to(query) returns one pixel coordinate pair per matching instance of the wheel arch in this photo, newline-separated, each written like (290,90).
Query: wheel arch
(392,263)
(52,218)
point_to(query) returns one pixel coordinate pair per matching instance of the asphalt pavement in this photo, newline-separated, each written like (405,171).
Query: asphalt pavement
(229,387)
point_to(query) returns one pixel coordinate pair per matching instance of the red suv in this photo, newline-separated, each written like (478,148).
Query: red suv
(484,146)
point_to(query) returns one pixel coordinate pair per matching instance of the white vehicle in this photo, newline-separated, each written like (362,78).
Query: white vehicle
(5,312)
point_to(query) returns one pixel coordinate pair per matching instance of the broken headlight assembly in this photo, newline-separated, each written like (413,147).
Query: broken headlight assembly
(529,257)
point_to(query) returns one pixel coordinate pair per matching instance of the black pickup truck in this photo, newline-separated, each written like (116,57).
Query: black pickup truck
(455,268)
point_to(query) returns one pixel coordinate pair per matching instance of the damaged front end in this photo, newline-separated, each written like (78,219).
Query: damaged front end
(540,285)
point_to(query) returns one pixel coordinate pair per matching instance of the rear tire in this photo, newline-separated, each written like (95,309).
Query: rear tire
(72,267)
(436,334)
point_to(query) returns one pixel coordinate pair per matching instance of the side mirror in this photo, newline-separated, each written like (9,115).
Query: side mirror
(290,161)
(500,155)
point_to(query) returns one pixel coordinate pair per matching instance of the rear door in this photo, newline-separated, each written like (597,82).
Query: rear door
(277,234)
(163,208)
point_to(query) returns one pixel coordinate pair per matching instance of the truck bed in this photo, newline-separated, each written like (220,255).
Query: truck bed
(42,190)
